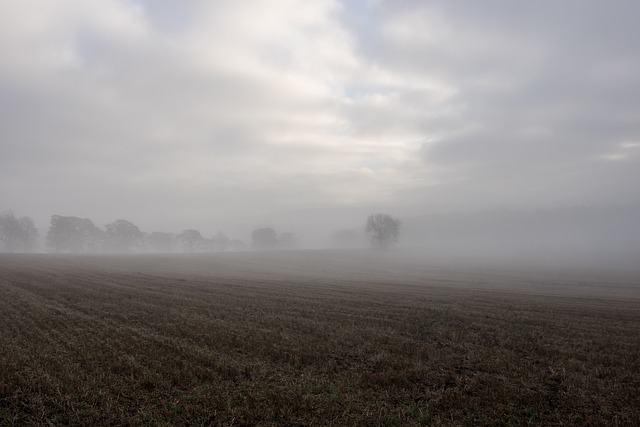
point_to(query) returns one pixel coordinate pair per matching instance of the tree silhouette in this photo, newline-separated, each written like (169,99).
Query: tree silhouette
(17,234)
(191,240)
(123,235)
(264,238)
(383,229)
(73,234)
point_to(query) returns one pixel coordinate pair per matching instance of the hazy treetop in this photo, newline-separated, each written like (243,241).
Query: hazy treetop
(172,113)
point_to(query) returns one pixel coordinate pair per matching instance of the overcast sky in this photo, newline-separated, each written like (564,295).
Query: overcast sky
(175,113)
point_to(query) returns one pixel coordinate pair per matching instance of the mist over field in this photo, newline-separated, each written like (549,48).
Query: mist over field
(509,132)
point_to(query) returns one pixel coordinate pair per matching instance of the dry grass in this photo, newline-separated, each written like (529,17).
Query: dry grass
(313,338)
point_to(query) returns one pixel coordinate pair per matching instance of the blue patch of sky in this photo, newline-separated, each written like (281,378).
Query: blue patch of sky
(168,16)
(357,91)
(362,19)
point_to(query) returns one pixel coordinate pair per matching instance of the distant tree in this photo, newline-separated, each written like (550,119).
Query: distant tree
(17,234)
(347,239)
(220,242)
(28,234)
(383,230)
(123,236)
(264,238)
(9,231)
(191,240)
(73,234)
(288,241)
(161,242)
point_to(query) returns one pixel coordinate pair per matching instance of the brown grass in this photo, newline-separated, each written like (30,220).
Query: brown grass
(311,339)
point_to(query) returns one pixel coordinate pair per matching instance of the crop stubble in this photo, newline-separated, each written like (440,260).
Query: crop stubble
(311,338)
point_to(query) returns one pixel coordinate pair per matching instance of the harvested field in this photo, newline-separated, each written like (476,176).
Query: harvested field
(312,338)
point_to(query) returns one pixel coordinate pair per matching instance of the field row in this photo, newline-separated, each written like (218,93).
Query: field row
(244,340)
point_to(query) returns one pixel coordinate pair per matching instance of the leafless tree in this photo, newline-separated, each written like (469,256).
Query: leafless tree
(383,230)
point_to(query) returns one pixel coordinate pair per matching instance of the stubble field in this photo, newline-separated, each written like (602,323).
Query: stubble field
(312,338)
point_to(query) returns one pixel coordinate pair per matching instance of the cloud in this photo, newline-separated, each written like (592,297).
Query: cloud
(538,95)
(197,109)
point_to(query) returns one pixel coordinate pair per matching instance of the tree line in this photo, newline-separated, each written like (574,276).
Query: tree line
(70,234)
(76,235)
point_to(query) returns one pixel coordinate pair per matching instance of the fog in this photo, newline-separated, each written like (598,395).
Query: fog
(497,133)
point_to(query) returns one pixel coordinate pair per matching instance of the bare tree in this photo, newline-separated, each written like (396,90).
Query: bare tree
(383,229)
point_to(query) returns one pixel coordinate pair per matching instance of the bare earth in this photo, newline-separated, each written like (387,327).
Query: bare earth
(313,338)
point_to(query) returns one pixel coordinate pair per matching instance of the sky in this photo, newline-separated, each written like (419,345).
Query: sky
(177,115)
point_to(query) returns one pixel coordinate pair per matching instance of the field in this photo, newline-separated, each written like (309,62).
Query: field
(313,338)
